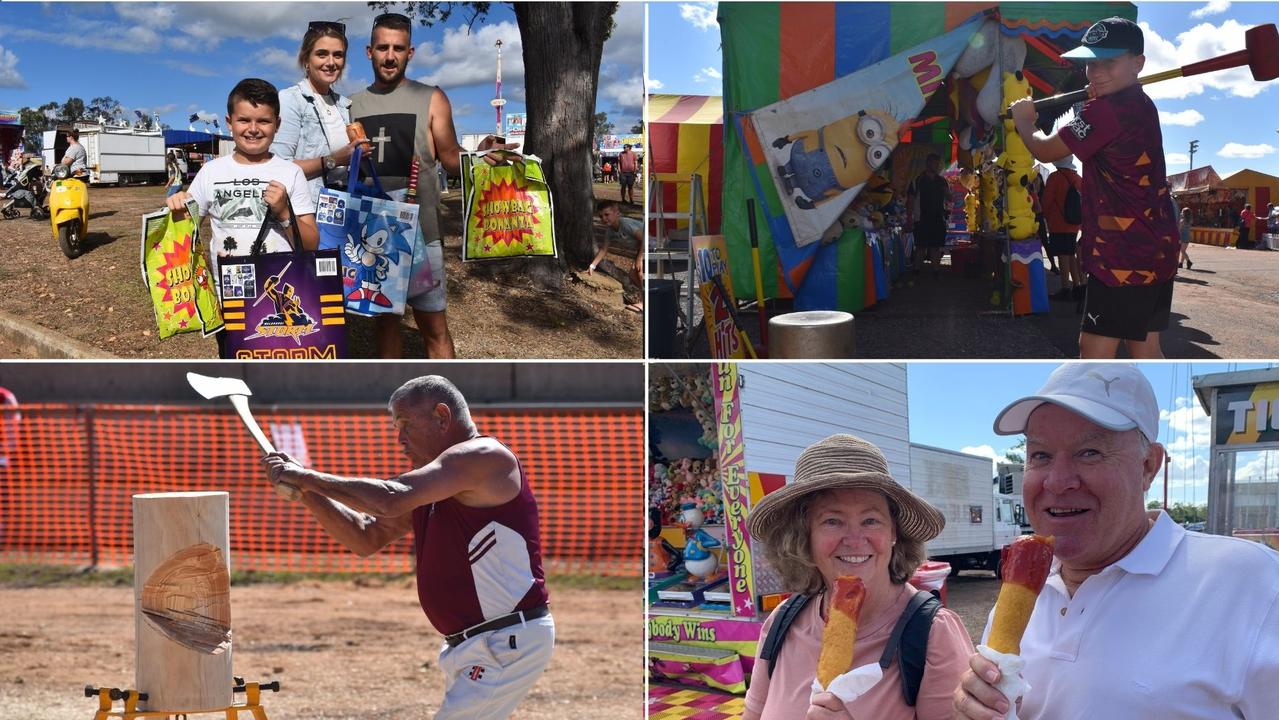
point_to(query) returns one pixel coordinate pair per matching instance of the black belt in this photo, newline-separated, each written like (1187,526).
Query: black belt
(516,618)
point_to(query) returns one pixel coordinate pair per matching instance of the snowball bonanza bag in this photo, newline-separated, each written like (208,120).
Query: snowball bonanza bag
(375,236)
(175,268)
(508,208)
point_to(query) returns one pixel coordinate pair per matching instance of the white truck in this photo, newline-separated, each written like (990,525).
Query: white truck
(979,523)
(115,155)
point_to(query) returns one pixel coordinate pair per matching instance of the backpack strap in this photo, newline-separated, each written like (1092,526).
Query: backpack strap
(910,636)
(788,611)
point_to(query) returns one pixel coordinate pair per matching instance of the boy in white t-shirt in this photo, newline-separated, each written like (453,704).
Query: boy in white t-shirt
(239,189)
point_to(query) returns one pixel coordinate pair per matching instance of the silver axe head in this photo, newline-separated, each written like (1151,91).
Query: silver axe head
(238,393)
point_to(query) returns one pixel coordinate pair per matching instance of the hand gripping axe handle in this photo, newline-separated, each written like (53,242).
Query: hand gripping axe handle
(237,391)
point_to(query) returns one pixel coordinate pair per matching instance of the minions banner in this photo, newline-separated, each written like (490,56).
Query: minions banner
(285,305)
(508,208)
(176,270)
(822,145)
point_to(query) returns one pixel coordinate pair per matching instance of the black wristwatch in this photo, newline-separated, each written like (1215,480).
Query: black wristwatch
(329,163)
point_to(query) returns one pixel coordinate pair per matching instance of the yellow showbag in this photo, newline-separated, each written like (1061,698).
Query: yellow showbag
(508,208)
(175,268)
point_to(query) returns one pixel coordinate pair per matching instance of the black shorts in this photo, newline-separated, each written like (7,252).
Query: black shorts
(930,233)
(1128,312)
(1060,244)
(628,179)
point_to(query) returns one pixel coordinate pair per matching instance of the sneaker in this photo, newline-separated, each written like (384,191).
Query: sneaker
(1189,265)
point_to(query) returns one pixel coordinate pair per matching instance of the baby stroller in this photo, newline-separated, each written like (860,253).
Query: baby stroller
(26,187)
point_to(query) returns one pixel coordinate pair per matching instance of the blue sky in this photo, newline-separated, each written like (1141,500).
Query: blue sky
(1232,116)
(954,405)
(182,58)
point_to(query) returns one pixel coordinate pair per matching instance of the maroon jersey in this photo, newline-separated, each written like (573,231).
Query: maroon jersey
(1129,235)
(475,564)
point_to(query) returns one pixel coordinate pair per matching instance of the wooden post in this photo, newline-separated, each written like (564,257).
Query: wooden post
(182,600)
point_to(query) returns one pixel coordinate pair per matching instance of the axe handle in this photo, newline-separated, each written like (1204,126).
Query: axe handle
(241,403)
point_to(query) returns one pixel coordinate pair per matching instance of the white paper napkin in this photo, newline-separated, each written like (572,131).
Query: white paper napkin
(852,684)
(1010,682)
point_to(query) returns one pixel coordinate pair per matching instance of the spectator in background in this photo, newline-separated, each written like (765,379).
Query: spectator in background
(1246,220)
(174,170)
(628,164)
(75,156)
(1063,220)
(1185,239)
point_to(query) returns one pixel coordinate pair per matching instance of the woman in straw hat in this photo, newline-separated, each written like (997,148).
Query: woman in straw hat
(843,514)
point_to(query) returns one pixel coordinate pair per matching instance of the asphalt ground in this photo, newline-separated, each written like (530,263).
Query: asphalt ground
(1225,307)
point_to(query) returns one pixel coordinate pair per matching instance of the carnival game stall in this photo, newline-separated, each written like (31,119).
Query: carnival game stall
(1214,208)
(884,84)
(686,138)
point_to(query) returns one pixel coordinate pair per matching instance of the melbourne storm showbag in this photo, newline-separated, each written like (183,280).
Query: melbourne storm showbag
(176,271)
(508,208)
(285,305)
(375,237)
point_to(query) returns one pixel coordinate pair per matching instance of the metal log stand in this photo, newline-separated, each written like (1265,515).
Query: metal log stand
(107,698)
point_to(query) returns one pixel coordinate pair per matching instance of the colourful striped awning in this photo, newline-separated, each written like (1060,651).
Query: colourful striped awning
(692,109)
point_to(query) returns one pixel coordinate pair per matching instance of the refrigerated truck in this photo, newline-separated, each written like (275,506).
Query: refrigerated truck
(115,155)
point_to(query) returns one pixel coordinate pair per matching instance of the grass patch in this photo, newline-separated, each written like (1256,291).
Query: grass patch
(23,575)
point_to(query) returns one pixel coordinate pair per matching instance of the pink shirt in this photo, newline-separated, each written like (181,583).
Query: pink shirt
(784,694)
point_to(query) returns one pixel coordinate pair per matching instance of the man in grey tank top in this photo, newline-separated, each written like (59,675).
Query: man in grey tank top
(403,119)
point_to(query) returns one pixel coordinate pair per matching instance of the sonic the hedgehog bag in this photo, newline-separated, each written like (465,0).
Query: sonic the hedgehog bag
(375,237)
(283,305)
(176,271)
(508,208)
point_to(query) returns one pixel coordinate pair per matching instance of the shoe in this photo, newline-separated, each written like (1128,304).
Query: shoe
(1063,294)
(357,295)
(377,298)
(1189,265)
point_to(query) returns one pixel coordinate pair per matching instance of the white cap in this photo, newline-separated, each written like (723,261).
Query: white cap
(1066,163)
(1115,396)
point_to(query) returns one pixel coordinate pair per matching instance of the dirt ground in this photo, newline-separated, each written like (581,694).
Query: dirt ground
(971,595)
(1227,306)
(100,299)
(340,650)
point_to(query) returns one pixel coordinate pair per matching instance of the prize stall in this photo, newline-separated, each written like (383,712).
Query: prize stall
(809,85)
(1214,207)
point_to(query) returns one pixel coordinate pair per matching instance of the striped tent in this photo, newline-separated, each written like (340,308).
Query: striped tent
(775,50)
(686,136)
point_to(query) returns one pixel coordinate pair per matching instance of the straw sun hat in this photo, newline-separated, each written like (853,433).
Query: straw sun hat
(836,463)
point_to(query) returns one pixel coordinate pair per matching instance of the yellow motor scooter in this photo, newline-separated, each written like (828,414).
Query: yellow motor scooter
(69,210)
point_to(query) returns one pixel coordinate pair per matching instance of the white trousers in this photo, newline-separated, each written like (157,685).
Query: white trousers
(487,676)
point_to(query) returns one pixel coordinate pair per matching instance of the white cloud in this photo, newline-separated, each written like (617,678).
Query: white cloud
(700,15)
(1185,118)
(626,95)
(1200,42)
(1214,7)
(621,84)
(192,68)
(9,75)
(655,84)
(467,59)
(1174,161)
(706,74)
(1250,152)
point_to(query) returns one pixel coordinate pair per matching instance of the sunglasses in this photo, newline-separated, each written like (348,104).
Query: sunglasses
(322,25)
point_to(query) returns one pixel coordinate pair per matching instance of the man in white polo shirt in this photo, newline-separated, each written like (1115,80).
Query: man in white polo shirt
(1139,618)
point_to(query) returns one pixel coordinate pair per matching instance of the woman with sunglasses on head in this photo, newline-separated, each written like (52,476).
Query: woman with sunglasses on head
(313,115)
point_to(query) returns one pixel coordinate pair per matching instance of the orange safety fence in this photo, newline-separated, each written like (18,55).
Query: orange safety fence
(68,473)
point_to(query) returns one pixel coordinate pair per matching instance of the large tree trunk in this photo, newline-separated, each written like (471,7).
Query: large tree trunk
(563,43)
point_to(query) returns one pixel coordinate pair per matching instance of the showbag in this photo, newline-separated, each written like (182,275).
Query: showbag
(375,237)
(284,305)
(175,268)
(508,208)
